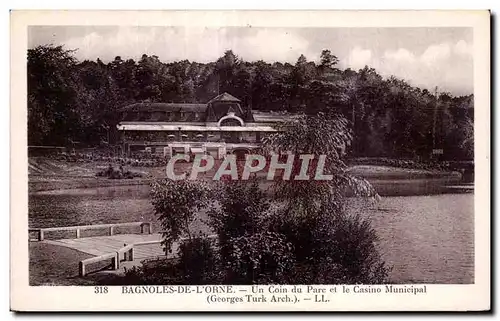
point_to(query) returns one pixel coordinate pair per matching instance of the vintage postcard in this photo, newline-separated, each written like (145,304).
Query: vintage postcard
(250,161)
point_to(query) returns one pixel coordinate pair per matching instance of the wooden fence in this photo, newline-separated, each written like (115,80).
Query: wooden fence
(77,229)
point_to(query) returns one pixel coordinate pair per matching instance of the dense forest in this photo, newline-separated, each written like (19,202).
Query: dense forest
(73,102)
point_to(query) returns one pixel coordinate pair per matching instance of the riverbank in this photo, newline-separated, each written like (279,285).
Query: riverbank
(394,181)
(51,183)
(381,172)
(48,174)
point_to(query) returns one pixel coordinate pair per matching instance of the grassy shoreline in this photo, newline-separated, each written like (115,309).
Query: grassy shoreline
(387,180)
(48,183)
(45,269)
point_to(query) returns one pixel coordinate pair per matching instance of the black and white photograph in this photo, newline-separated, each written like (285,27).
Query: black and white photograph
(251,156)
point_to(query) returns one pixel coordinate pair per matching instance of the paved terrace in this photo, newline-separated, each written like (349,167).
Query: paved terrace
(121,250)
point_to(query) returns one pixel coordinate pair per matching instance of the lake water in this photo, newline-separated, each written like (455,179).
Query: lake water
(424,238)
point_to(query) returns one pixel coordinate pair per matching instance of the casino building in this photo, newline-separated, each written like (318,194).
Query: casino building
(219,127)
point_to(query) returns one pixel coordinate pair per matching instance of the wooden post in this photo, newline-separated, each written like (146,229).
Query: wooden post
(148,224)
(124,253)
(116,261)
(131,254)
(40,235)
(81,268)
(111,230)
(77,233)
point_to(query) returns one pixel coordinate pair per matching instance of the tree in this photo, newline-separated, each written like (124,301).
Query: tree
(176,204)
(301,73)
(52,96)
(124,75)
(297,79)
(318,135)
(327,60)
(99,96)
(312,214)
(467,141)
(242,84)
(147,78)
(261,86)
(225,70)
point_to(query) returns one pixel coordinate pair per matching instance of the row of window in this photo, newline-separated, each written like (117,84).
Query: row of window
(163,116)
(249,137)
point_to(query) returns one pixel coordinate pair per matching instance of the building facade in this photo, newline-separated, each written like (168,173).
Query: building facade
(219,127)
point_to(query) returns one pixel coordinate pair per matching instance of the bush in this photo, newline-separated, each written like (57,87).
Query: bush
(198,261)
(260,258)
(353,247)
(252,254)
(153,272)
(111,173)
(402,163)
(241,205)
(330,246)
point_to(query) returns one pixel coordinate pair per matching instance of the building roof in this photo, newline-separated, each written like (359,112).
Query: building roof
(172,107)
(216,108)
(225,97)
(175,128)
(270,117)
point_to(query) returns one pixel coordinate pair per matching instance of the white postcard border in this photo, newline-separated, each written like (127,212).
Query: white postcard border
(83,298)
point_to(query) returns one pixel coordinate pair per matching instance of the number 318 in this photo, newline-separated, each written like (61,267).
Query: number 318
(101,289)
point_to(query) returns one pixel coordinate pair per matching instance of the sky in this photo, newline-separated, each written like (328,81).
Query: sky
(425,57)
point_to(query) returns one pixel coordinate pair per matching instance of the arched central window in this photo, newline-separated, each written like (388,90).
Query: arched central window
(231,120)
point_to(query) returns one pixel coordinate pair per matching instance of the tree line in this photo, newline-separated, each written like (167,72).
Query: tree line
(73,102)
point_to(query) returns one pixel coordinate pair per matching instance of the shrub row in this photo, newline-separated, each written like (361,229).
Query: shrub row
(88,158)
(402,163)
(112,173)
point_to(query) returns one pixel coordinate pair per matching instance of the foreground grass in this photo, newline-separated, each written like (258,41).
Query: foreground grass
(55,265)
